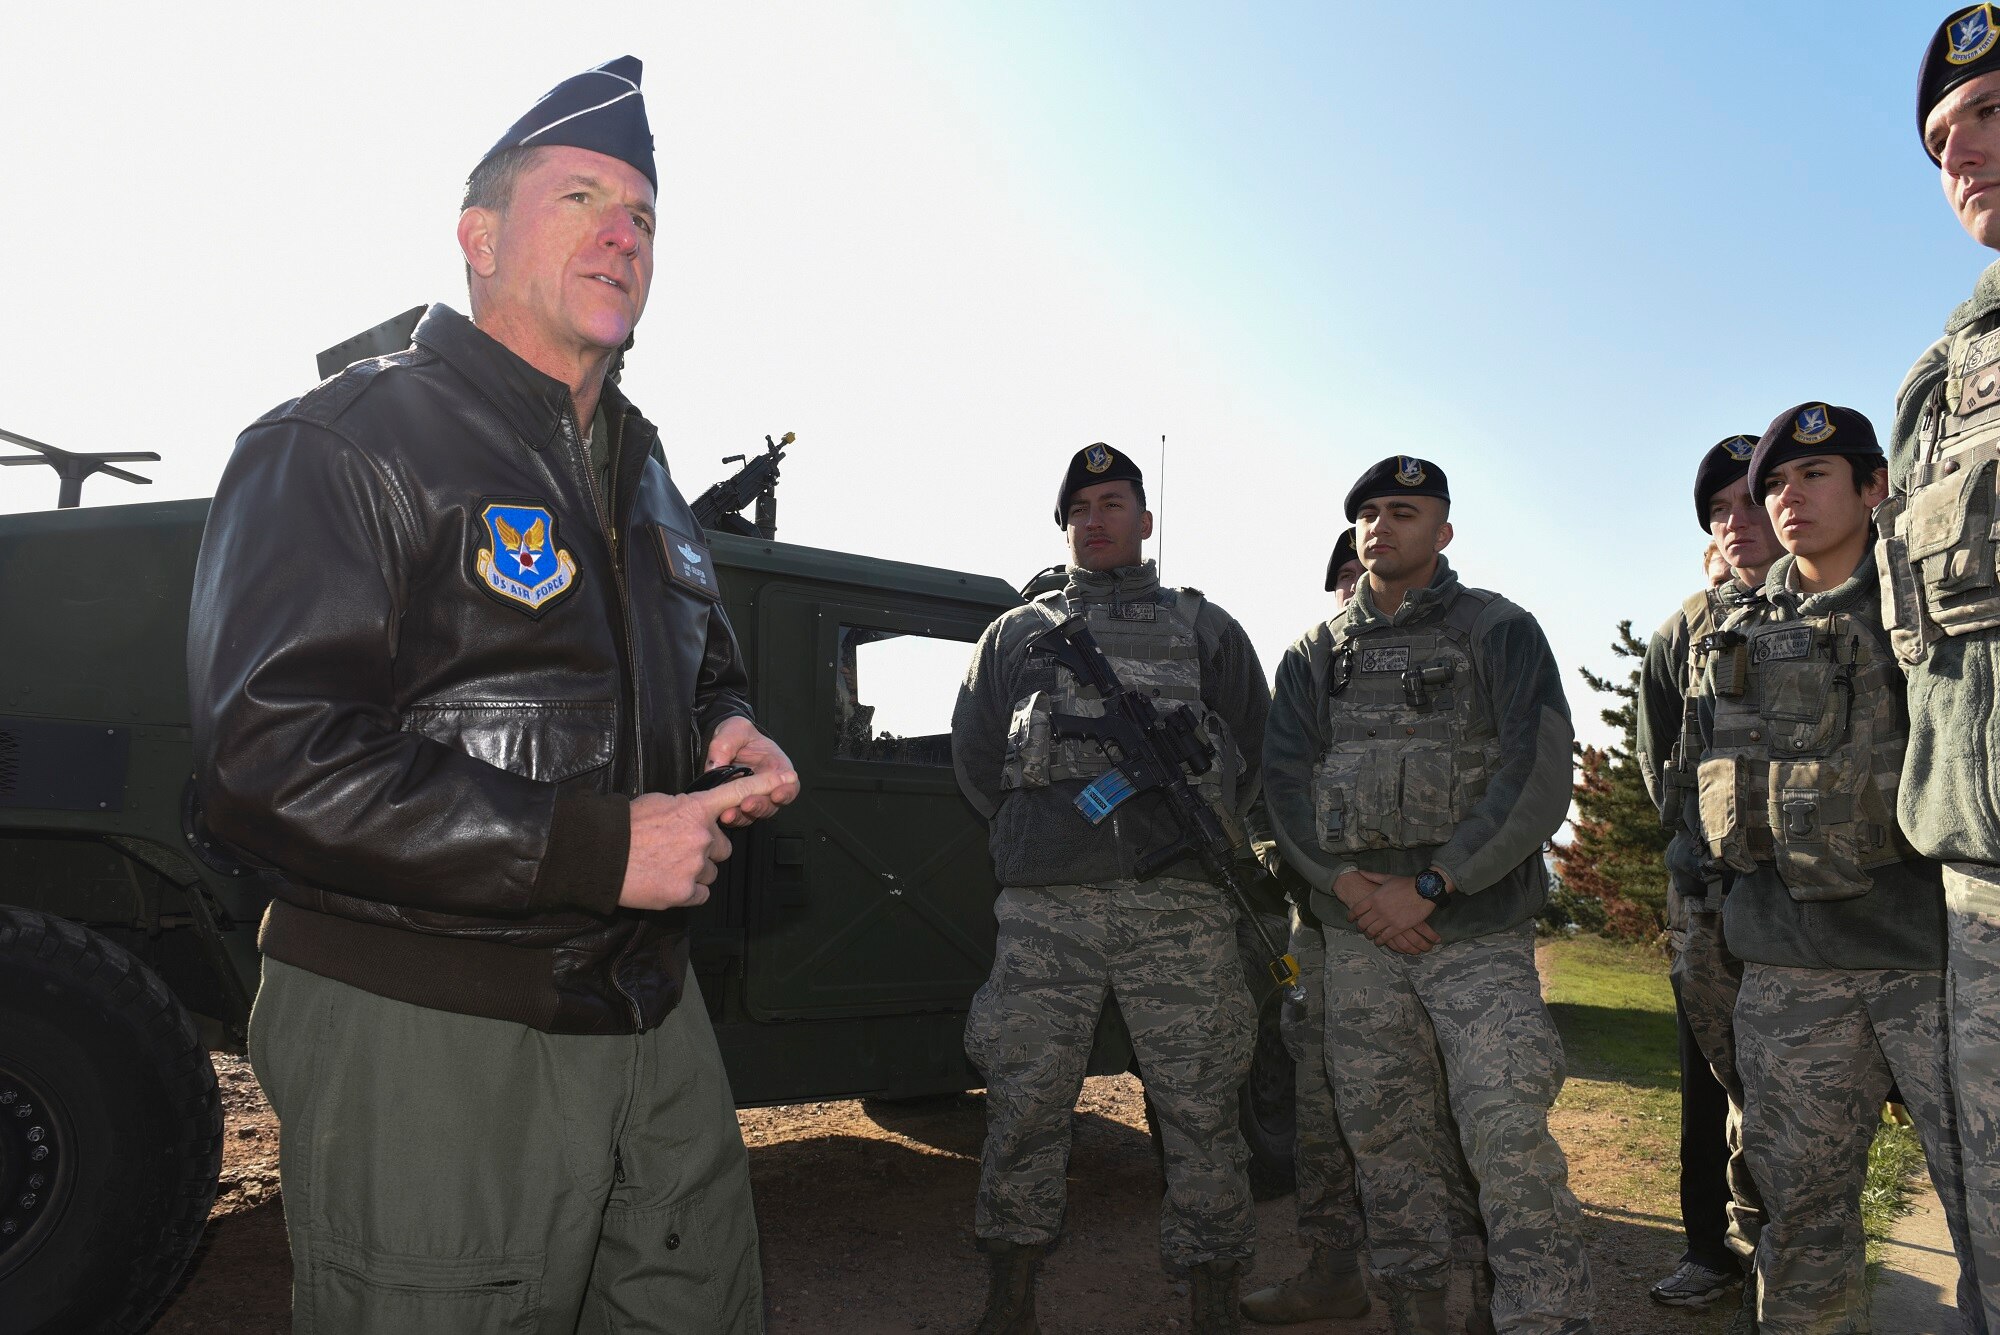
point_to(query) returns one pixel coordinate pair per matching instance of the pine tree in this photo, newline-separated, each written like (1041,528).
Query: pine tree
(1615,856)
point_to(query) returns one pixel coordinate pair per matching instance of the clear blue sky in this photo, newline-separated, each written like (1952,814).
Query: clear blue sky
(1559,249)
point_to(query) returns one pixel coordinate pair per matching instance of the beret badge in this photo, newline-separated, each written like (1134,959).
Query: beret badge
(1097,458)
(1409,472)
(1972,36)
(1813,425)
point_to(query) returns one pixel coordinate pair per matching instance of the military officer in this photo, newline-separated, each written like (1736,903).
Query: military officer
(1330,1218)
(1838,922)
(1077,922)
(1942,603)
(1417,759)
(1717,1203)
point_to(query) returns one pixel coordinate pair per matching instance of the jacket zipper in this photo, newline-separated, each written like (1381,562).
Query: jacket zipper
(602,506)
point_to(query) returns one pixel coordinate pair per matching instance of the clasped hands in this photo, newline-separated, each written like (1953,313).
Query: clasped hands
(1387,910)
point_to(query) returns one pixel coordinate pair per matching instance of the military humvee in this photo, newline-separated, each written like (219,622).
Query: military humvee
(838,953)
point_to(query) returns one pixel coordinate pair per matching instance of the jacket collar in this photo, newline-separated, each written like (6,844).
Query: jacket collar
(1859,589)
(1363,614)
(1985,299)
(1089,586)
(532,403)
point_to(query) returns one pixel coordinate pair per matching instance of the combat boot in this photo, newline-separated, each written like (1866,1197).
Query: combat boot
(1331,1285)
(1417,1311)
(1479,1317)
(1010,1295)
(1212,1298)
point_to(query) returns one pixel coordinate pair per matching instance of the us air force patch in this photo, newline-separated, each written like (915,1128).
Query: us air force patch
(1813,425)
(1972,36)
(1409,472)
(1739,448)
(518,559)
(1135,611)
(689,562)
(1097,458)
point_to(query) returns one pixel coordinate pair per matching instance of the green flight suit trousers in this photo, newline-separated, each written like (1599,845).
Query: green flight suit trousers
(446,1173)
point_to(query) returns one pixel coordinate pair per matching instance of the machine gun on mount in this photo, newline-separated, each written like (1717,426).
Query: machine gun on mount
(1154,753)
(721,506)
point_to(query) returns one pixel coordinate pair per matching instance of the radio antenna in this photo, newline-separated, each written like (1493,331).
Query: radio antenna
(1160,520)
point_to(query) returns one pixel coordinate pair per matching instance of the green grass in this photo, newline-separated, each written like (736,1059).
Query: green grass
(1615,1009)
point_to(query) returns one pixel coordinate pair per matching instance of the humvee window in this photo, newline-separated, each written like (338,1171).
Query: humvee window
(893,695)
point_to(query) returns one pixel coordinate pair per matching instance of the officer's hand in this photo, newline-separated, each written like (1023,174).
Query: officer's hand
(1393,909)
(1354,887)
(677,843)
(737,742)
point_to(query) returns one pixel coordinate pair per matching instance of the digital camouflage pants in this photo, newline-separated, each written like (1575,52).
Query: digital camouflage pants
(1179,983)
(1503,1066)
(1818,1050)
(1708,977)
(1972,981)
(1329,1202)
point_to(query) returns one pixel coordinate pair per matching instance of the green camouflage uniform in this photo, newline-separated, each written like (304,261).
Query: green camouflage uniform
(1706,973)
(1473,778)
(1075,923)
(1841,928)
(1937,561)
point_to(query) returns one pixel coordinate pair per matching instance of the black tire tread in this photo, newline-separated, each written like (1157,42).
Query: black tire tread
(136,995)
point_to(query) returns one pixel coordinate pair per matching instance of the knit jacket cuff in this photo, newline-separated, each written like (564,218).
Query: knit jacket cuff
(583,866)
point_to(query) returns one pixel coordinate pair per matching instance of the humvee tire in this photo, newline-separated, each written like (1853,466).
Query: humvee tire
(110,1132)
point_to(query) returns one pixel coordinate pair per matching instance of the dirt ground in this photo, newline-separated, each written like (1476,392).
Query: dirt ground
(866,1214)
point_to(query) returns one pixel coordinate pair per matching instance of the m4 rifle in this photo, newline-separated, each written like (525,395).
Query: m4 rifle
(721,506)
(1154,752)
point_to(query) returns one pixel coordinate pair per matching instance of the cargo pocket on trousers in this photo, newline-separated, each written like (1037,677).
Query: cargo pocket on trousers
(354,1288)
(671,1270)
(1724,809)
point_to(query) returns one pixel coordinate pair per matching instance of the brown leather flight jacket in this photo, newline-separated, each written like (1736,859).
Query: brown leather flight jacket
(427,668)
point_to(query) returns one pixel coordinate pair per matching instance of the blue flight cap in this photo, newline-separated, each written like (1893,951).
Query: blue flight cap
(600,109)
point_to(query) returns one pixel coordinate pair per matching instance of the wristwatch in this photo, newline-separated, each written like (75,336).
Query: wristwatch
(1431,884)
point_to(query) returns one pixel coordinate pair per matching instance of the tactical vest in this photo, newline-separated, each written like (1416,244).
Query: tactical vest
(1679,776)
(1409,744)
(1936,549)
(1808,742)
(1153,648)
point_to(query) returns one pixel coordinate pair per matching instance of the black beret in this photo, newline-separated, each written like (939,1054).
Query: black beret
(599,109)
(1811,429)
(1343,552)
(1721,466)
(1089,466)
(1398,475)
(1965,46)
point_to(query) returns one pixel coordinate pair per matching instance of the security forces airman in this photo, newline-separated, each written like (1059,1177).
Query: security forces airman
(1706,975)
(1942,602)
(1839,923)
(1417,758)
(1076,921)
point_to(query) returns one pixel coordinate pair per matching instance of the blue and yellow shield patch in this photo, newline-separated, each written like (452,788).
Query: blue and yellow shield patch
(518,558)
(1739,448)
(1972,36)
(1098,458)
(1813,425)
(1410,472)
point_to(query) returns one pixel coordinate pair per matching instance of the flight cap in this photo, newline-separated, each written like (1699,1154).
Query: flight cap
(600,109)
